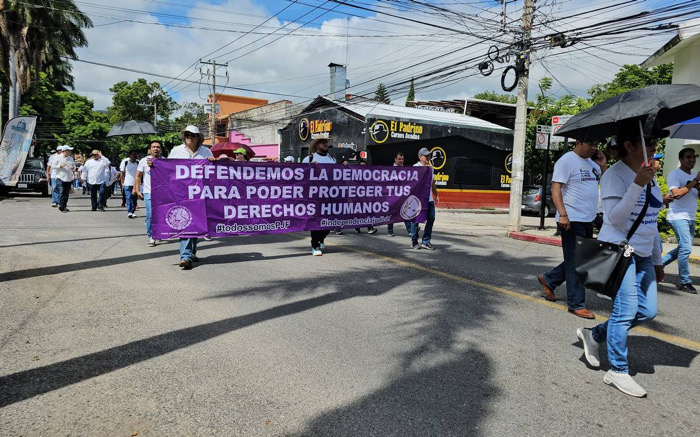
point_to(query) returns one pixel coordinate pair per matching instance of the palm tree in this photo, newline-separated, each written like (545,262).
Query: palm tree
(39,36)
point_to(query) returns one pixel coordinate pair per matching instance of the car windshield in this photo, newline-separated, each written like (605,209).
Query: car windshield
(33,164)
(531,190)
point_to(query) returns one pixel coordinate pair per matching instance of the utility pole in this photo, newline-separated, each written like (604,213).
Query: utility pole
(212,122)
(516,184)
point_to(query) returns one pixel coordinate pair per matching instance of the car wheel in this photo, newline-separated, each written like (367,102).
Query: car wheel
(45,192)
(546,210)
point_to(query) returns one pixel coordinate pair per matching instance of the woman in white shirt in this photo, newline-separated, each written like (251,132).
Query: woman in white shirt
(623,189)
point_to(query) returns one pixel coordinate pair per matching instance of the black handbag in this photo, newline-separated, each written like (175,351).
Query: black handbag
(601,266)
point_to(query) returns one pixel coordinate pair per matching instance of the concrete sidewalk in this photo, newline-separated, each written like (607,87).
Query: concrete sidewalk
(546,236)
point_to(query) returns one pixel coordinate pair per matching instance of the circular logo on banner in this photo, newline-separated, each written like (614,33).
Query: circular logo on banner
(437,157)
(411,208)
(178,217)
(303,129)
(509,163)
(379,131)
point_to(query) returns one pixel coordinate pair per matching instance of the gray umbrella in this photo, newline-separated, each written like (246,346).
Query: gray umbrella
(656,107)
(132,127)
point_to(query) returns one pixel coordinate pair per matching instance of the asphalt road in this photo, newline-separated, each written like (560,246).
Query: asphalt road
(102,335)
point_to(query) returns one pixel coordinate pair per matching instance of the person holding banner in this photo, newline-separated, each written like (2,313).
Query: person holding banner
(399,159)
(64,175)
(424,160)
(142,183)
(239,154)
(192,148)
(318,154)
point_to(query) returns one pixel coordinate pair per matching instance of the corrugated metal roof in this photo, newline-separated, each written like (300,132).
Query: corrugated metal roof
(373,109)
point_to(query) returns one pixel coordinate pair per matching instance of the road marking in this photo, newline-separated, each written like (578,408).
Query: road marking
(680,341)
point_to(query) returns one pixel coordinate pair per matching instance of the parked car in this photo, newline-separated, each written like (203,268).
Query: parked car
(532,200)
(32,179)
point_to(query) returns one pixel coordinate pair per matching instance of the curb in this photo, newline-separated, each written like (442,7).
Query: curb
(552,241)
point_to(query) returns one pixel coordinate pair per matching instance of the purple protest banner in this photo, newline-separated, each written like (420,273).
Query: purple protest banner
(195,198)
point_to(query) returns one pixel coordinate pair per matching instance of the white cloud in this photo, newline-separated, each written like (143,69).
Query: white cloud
(275,68)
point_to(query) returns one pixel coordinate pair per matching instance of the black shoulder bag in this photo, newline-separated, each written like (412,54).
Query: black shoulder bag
(601,266)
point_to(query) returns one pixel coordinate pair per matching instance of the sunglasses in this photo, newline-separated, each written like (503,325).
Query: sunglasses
(190,135)
(691,156)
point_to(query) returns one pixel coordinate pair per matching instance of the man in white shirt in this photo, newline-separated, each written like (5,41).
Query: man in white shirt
(94,171)
(319,155)
(64,166)
(191,149)
(128,170)
(683,186)
(142,184)
(51,175)
(575,195)
(424,160)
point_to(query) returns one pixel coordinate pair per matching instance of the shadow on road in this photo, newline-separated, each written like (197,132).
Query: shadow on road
(448,399)
(71,241)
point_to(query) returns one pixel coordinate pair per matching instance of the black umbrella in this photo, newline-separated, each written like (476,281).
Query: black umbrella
(655,107)
(132,127)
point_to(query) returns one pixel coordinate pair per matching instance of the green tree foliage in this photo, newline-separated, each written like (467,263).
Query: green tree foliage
(496,97)
(133,101)
(381,94)
(411,93)
(631,77)
(36,36)
(84,127)
(64,118)
(192,114)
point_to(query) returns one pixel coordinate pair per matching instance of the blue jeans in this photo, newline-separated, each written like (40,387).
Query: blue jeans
(188,248)
(63,189)
(684,230)
(428,232)
(55,190)
(130,200)
(97,195)
(564,272)
(390,227)
(147,201)
(635,303)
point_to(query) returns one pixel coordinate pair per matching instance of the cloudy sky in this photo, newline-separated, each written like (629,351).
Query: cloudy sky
(280,49)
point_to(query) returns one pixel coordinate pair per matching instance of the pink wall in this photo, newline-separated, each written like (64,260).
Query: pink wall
(266,150)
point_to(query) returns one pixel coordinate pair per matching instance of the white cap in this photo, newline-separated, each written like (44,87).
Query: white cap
(192,129)
(289,158)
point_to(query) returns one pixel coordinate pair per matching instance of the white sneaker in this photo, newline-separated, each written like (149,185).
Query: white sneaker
(590,346)
(316,252)
(151,242)
(624,383)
